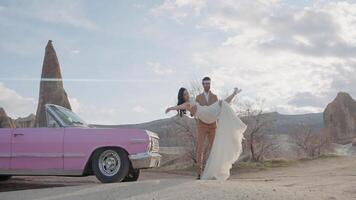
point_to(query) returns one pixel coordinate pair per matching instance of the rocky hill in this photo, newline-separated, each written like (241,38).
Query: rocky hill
(286,124)
(5,121)
(173,131)
(25,122)
(21,122)
(340,118)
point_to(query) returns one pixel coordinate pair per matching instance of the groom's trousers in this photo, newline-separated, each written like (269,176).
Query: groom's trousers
(205,131)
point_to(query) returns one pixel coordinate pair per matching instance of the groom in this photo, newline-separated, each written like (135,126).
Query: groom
(205,131)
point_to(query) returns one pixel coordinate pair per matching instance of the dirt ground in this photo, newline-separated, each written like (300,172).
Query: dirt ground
(329,178)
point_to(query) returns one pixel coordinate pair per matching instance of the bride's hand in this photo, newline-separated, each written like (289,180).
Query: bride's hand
(237,90)
(168,109)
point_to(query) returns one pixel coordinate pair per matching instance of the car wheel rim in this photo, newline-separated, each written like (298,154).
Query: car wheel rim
(109,163)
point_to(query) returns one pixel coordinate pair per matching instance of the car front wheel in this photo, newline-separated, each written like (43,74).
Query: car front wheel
(110,165)
(4,178)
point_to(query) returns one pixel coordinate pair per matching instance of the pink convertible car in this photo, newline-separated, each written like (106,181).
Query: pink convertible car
(69,147)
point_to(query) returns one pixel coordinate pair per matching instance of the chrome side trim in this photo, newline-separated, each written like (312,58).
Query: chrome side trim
(74,155)
(5,155)
(37,155)
(139,155)
(43,155)
(46,172)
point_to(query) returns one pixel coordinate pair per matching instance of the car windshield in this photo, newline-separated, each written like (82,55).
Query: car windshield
(68,117)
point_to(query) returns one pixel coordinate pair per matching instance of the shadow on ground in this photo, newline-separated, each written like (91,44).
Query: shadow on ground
(28,182)
(41,182)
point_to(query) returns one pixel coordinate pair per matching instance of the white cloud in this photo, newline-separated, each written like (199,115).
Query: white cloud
(139,109)
(179,9)
(344,14)
(290,109)
(278,51)
(174,5)
(56,11)
(294,56)
(158,69)
(70,12)
(15,104)
(95,114)
(114,115)
(75,51)
(138,6)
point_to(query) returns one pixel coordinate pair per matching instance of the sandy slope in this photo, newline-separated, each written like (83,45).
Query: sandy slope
(333,178)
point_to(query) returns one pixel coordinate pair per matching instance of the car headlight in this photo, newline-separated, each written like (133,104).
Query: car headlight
(153,144)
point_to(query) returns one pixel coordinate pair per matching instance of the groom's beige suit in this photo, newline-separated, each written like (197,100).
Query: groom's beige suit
(204,130)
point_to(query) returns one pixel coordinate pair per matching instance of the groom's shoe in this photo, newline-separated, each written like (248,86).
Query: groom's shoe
(198,177)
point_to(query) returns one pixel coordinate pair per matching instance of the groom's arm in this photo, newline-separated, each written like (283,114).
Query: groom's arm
(232,96)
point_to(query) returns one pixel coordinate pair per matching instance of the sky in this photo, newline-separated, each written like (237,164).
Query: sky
(124,61)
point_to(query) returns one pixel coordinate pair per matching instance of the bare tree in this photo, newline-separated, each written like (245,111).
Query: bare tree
(195,88)
(311,143)
(189,129)
(257,142)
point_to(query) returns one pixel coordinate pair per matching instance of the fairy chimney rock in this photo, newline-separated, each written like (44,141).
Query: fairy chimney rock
(51,86)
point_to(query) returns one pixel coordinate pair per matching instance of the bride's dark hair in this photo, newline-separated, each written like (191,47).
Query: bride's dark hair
(181,100)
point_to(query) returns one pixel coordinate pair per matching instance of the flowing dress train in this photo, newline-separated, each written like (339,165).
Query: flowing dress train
(227,145)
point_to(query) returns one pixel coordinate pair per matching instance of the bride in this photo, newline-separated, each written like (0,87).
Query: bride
(227,145)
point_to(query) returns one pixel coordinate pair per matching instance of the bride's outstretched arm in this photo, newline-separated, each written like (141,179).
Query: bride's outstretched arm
(183,106)
(231,97)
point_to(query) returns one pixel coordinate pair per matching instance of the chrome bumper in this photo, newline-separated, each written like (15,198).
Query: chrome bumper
(145,160)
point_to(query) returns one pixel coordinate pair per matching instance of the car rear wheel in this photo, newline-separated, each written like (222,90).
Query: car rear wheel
(110,165)
(4,177)
(132,176)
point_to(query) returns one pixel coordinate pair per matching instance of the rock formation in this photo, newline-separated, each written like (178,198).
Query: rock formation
(51,86)
(25,122)
(5,121)
(340,118)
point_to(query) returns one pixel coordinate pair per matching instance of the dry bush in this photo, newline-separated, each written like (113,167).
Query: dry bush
(189,129)
(257,144)
(309,143)
(195,88)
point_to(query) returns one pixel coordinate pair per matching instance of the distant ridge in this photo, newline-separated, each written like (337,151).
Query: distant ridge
(171,133)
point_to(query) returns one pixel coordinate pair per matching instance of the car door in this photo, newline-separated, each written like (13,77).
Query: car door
(5,148)
(37,149)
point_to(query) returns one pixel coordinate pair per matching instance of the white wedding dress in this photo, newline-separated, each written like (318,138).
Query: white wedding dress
(227,145)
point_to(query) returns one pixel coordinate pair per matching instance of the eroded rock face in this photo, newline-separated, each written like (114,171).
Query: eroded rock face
(340,118)
(51,86)
(5,121)
(25,122)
